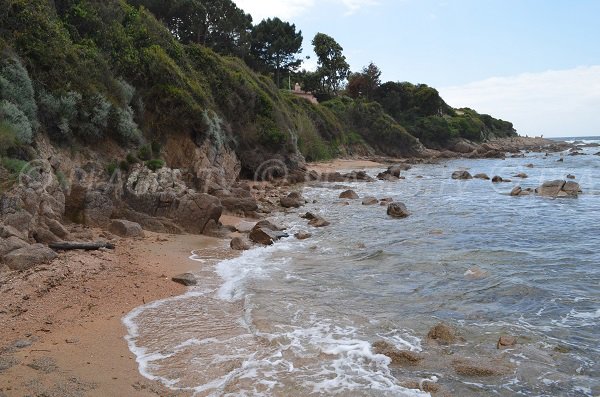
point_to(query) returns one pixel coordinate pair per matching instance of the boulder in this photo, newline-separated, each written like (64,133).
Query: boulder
(463,147)
(521,175)
(245,226)
(497,179)
(442,333)
(124,228)
(269,225)
(482,176)
(349,194)
(10,244)
(265,236)
(570,176)
(303,235)
(393,172)
(292,200)
(29,256)
(518,191)
(559,188)
(461,175)
(398,357)
(309,216)
(187,279)
(529,165)
(239,244)
(370,201)
(397,210)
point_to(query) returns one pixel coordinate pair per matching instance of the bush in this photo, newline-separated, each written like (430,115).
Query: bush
(111,168)
(145,153)
(131,159)
(155,164)
(125,127)
(14,166)
(8,137)
(16,87)
(156,148)
(16,121)
(60,113)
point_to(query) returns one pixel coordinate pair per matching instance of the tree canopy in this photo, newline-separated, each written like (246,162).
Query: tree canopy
(275,45)
(364,83)
(333,68)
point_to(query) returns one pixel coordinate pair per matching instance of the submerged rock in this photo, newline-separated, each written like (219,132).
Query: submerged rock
(506,341)
(303,235)
(397,210)
(497,179)
(319,222)
(481,176)
(461,175)
(370,201)
(521,175)
(475,368)
(442,333)
(398,357)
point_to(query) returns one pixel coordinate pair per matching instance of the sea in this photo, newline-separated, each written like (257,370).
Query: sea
(299,318)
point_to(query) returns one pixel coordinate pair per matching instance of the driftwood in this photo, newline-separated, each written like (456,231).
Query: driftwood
(67,246)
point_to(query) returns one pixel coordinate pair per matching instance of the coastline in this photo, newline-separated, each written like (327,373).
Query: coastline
(63,323)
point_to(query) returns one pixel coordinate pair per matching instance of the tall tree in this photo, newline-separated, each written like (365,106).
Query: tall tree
(364,83)
(333,68)
(276,45)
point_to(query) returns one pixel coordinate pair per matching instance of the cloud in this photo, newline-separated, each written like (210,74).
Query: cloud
(553,103)
(288,9)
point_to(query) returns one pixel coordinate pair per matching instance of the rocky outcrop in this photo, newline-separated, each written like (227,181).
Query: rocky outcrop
(397,210)
(237,199)
(124,228)
(354,176)
(559,188)
(461,175)
(163,194)
(393,173)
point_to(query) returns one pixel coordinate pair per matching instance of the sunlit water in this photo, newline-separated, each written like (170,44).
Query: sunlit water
(298,318)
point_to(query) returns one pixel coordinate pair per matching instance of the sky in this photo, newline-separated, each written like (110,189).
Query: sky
(533,62)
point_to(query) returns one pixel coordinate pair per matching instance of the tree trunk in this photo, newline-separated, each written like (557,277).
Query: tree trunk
(67,246)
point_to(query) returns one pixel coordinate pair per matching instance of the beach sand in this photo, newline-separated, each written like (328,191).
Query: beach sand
(61,324)
(343,164)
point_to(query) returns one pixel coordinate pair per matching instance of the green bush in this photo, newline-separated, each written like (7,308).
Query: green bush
(16,121)
(59,113)
(8,137)
(131,159)
(145,153)
(155,164)
(111,168)
(156,148)
(16,87)
(14,166)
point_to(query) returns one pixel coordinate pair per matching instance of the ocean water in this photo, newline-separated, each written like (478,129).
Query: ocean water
(299,318)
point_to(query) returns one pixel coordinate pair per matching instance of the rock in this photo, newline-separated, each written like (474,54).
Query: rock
(303,235)
(269,225)
(482,176)
(187,279)
(44,364)
(570,176)
(597,154)
(245,226)
(521,175)
(123,228)
(461,175)
(397,210)
(442,333)
(10,244)
(349,194)
(560,160)
(319,222)
(463,147)
(57,228)
(516,191)
(473,368)
(292,200)
(44,236)
(529,165)
(239,244)
(9,231)
(497,179)
(309,216)
(399,357)
(265,236)
(354,176)
(29,256)
(506,341)
(559,188)
(370,201)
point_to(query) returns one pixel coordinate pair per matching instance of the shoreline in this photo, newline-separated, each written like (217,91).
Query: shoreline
(79,343)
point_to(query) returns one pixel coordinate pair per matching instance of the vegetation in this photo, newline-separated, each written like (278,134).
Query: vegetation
(333,68)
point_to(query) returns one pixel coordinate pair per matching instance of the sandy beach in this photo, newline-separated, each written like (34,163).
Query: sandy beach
(62,332)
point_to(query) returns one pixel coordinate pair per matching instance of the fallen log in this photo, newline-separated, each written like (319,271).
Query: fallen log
(67,246)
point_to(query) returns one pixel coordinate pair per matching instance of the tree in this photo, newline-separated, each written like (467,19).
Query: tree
(276,45)
(333,68)
(218,24)
(364,83)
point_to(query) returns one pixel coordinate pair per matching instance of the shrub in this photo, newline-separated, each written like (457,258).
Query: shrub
(8,136)
(156,148)
(16,87)
(14,166)
(125,127)
(145,153)
(155,164)
(111,168)
(16,121)
(59,113)
(131,159)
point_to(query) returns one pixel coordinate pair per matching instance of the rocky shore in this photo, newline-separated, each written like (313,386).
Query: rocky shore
(61,309)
